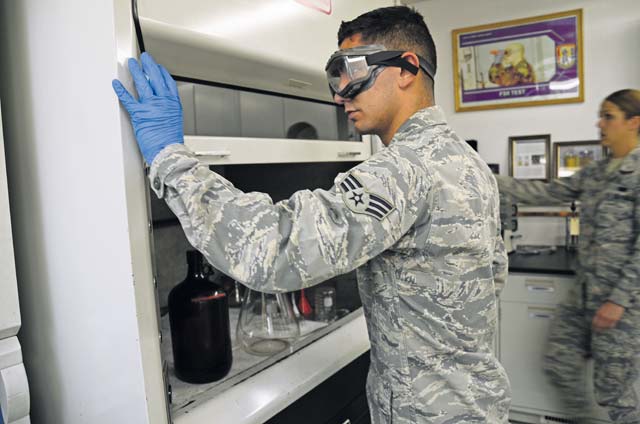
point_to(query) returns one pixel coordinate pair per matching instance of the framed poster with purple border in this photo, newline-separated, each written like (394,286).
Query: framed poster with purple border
(524,62)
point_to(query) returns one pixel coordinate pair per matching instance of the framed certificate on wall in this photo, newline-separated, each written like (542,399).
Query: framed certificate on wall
(529,157)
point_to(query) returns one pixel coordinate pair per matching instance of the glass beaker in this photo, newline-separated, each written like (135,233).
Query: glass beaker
(267,324)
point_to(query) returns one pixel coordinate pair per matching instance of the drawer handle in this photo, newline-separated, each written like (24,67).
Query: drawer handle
(347,421)
(540,286)
(219,153)
(541,289)
(348,154)
(543,313)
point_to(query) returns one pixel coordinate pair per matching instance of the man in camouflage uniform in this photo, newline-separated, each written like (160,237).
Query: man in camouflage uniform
(601,316)
(419,220)
(512,69)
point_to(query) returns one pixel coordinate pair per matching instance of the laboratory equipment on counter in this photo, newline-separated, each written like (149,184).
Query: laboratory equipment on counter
(304,306)
(325,303)
(509,220)
(572,229)
(199,317)
(267,324)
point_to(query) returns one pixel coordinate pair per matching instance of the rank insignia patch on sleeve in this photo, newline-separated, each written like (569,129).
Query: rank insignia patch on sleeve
(359,200)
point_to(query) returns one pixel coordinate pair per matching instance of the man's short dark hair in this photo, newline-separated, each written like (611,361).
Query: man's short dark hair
(397,28)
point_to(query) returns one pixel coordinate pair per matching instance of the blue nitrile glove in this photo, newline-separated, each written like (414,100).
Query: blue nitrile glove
(156,116)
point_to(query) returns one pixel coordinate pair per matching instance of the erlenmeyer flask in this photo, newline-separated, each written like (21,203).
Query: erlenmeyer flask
(267,324)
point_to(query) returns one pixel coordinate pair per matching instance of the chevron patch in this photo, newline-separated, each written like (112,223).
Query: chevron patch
(359,200)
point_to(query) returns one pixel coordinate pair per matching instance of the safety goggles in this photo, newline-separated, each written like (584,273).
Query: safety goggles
(352,71)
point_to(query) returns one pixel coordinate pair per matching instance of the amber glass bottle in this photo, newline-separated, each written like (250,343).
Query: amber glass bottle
(199,317)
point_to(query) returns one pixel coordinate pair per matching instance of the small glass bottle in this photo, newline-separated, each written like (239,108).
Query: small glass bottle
(199,317)
(572,229)
(325,303)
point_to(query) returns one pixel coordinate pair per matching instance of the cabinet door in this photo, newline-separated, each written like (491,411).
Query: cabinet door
(340,399)
(356,412)
(524,329)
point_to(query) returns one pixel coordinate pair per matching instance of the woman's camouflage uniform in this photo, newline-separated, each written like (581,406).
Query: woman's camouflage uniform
(420,222)
(608,270)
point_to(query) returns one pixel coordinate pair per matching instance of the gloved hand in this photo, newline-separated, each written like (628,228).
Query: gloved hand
(156,116)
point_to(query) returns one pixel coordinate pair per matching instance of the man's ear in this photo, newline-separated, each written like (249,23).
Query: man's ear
(406,77)
(635,123)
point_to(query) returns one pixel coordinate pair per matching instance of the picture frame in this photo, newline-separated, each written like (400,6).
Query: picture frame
(529,157)
(570,156)
(523,62)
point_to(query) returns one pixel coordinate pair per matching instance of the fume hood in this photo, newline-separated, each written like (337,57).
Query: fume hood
(84,230)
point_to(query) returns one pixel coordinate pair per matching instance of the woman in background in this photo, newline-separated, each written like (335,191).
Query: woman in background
(601,316)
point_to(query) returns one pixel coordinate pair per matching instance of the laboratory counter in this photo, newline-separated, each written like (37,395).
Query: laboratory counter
(543,260)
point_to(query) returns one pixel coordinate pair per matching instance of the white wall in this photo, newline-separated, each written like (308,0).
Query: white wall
(611,31)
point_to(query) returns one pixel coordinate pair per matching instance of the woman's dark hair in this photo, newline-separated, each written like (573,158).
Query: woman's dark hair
(628,100)
(397,28)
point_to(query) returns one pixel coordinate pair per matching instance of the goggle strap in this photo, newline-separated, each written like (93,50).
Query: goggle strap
(401,63)
(391,58)
(428,69)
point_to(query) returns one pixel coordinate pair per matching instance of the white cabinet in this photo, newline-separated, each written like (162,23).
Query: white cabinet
(523,334)
(527,308)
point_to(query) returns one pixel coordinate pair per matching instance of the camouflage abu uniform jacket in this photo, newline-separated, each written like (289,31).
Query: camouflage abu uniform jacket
(609,246)
(420,221)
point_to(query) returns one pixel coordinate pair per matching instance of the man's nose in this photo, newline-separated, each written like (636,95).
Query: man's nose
(339,99)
